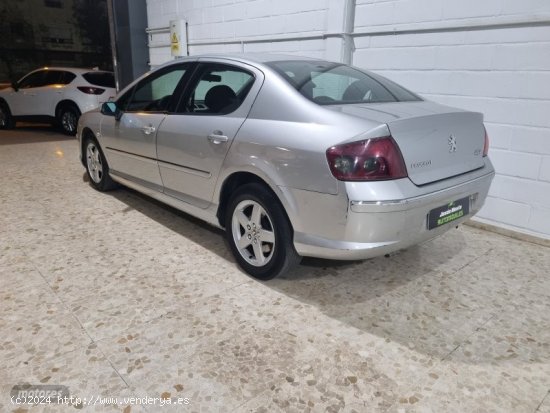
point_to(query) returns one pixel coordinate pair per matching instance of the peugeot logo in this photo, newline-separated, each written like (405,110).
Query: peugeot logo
(452,144)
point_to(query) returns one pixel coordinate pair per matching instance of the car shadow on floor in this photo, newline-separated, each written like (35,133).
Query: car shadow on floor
(369,273)
(192,228)
(213,238)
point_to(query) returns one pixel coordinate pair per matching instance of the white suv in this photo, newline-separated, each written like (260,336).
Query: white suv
(55,94)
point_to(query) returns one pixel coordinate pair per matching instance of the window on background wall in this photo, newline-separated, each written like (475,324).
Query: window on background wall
(58,35)
(17,29)
(57,4)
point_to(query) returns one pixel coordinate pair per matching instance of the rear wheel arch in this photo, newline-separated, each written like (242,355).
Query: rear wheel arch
(236,180)
(258,230)
(65,103)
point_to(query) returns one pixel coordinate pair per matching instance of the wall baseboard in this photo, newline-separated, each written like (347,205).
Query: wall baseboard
(509,233)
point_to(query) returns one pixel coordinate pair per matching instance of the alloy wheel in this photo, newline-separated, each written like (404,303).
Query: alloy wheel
(93,161)
(69,121)
(253,233)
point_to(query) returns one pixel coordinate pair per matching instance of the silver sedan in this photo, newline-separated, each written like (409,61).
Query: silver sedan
(292,156)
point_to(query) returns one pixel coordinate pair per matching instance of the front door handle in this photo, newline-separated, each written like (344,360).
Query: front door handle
(217,137)
(148,129)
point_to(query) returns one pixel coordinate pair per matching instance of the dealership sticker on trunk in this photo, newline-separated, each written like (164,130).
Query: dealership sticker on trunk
(448,213)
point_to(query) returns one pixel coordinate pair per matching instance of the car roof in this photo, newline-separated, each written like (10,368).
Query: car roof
(250,58)
(76,70)
(257,57)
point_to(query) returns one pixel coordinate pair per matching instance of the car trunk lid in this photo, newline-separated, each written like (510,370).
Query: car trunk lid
(437,142)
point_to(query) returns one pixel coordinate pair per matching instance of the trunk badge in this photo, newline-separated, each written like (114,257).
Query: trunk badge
(452,144)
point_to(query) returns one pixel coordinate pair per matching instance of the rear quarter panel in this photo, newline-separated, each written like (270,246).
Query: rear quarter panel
(286,137)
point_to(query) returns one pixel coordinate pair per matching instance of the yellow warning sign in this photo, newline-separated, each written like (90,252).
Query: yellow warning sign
(175,44)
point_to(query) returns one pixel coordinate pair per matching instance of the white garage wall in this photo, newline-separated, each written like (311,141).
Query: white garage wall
(221,20)
(491,56)
(503,73)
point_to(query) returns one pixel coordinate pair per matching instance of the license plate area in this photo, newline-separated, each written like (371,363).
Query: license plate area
(448,213)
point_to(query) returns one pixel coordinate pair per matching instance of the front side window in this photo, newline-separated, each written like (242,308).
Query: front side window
(154,93)
(219,90)
(35,79)
(329,83)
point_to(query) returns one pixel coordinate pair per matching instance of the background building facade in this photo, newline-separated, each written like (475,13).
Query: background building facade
(36,33)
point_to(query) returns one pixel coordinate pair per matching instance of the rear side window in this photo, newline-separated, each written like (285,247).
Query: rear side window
(105,79)
(67,78)
(329,83)
(53,77)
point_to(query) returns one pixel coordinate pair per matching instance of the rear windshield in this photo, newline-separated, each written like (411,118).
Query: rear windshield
(105,79)
(329,83)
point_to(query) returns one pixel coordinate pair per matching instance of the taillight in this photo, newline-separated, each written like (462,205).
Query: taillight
(369,160)
(486,143)
(91,90)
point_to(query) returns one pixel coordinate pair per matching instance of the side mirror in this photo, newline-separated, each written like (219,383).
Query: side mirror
(15,86)
(111,109)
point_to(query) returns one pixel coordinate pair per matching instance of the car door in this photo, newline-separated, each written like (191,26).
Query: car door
(192,144)
(38,93)
(129,140)
(19,99)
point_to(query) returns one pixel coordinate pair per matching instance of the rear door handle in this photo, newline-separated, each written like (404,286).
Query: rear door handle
(217,137)
(148,129)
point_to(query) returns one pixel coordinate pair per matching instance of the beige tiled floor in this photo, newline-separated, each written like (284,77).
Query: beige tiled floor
(116,295)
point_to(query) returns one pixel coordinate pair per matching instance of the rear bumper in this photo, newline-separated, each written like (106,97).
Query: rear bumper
(372,228)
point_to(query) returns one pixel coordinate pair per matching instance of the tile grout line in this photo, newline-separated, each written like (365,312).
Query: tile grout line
(547,396)
(473,332)
(474,260)
(440,361)
(92,341)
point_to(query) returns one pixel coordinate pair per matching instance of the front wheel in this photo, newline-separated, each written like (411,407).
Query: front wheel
(259,233)
(6,119)
(97,168)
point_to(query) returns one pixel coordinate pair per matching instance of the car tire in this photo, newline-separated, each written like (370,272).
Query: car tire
(259,232)
(97,167)
(6,119)
(67,118)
